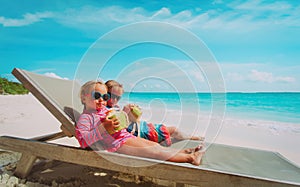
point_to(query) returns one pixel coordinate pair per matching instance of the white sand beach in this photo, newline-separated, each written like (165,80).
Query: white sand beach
(23,116)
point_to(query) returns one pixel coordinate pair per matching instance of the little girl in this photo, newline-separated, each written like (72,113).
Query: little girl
(93,126)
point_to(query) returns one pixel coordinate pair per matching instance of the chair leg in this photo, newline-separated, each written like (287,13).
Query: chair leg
(24,165)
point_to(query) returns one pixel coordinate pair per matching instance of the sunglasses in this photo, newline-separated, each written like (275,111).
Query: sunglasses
(98,95)
(113,96)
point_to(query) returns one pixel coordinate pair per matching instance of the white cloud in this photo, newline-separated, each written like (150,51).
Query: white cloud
(258,5)
(258,76)
(234,77)
(267,77)
(94,16)
(157,86)
(269,13)
(51,74)
(26,20)
(240,16)
(162,13)
(197,75)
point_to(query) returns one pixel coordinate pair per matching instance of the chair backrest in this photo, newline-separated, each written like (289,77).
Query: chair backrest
(59,96)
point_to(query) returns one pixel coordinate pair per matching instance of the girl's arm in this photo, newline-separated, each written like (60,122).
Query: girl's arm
(109,124)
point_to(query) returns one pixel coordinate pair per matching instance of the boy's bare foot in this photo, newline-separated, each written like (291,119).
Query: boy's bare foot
(187,151)
(192,150)
(199,147)
(200,138)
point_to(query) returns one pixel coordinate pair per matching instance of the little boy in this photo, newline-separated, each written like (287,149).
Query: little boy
(155,132)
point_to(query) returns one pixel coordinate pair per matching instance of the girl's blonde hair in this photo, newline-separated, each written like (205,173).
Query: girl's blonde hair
(85,89)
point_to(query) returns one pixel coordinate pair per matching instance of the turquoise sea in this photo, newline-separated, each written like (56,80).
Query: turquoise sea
(278,107)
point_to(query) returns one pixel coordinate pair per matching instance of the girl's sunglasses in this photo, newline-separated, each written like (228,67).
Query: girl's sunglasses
(98,95)
(113,96)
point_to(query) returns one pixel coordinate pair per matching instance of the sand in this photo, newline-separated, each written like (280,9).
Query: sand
(23,116)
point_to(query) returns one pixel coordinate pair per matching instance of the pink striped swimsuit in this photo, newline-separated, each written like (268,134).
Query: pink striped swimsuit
(89,135)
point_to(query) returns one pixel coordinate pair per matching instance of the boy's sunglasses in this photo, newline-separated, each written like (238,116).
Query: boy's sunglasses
(98,95)
(113,96)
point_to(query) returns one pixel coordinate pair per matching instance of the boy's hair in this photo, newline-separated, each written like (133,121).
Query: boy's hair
(112,83)
(86,88)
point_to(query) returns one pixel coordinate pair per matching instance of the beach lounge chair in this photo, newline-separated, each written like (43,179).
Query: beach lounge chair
(222,165)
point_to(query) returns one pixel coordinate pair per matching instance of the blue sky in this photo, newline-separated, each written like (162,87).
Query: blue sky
(255,43)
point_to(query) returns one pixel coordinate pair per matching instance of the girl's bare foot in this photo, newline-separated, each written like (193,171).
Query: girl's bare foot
(197,157)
